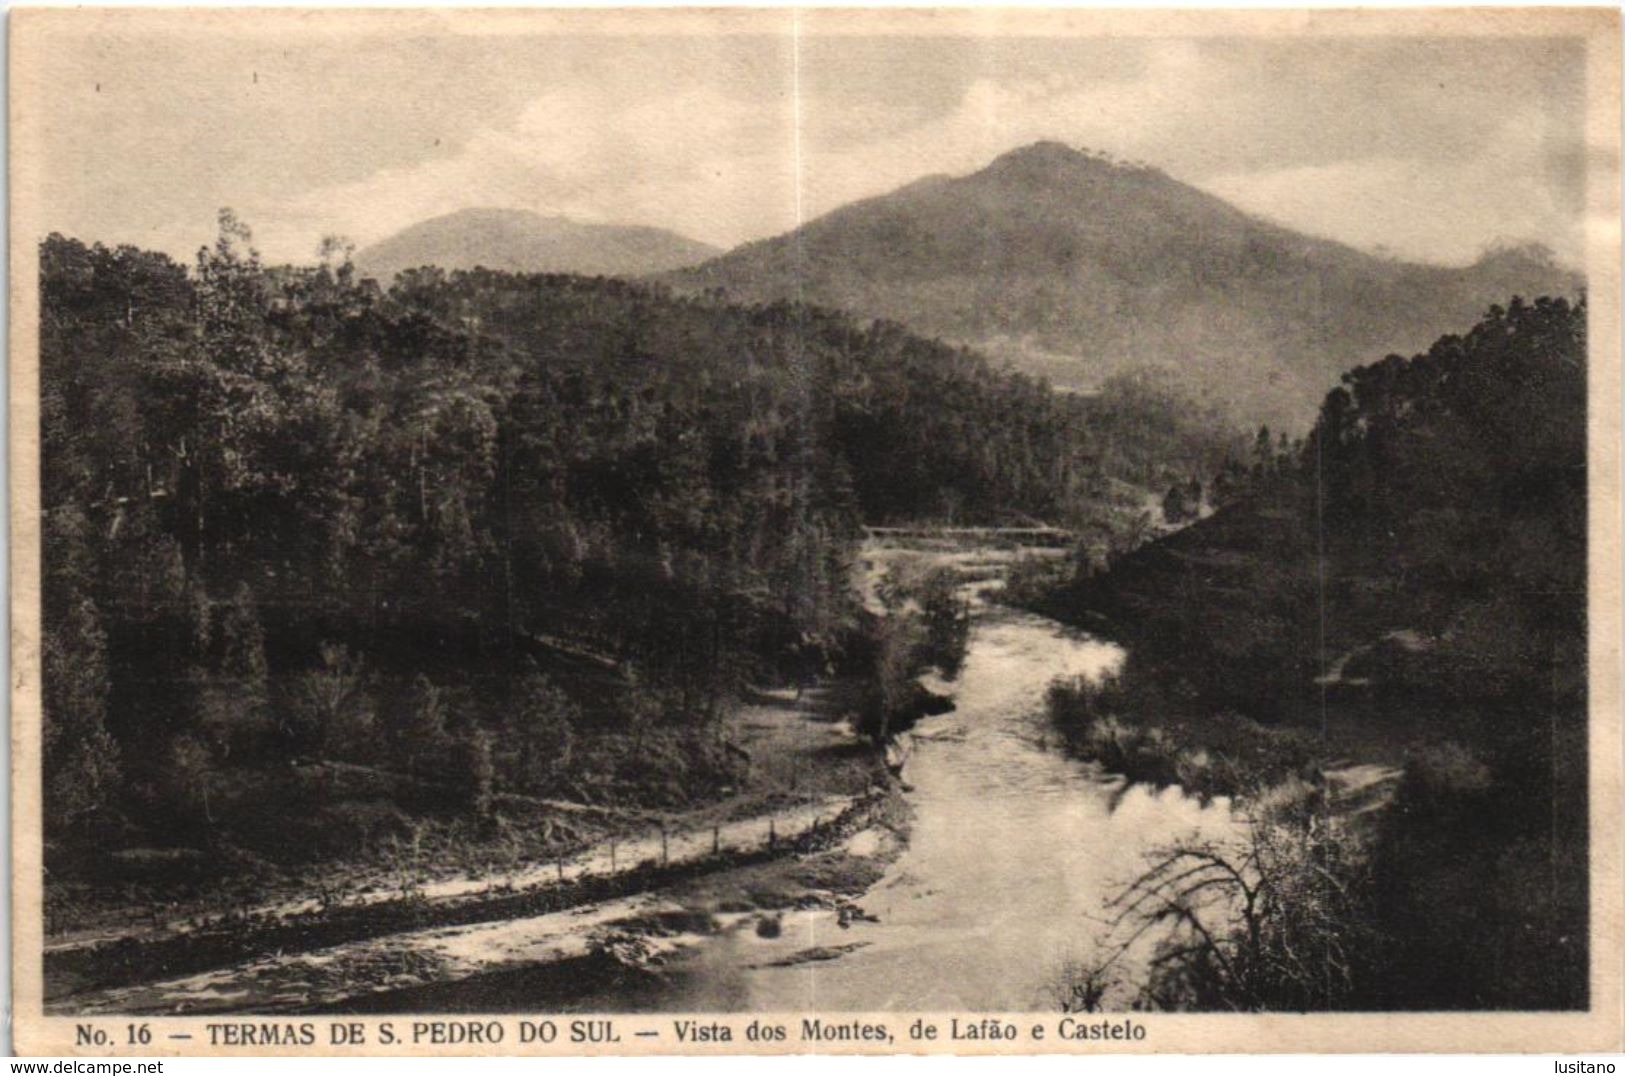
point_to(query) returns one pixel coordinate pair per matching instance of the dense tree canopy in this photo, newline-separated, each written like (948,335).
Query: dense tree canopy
(1407,586)
(289,515)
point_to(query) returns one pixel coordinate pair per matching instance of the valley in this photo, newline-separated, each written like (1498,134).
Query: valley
(911,613)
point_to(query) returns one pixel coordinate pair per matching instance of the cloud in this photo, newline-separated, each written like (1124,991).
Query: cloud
(1422,209)
(1423,159)
(724,168)
(1439,180)
(695,159)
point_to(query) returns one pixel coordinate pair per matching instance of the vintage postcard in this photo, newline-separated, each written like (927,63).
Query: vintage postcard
(779,530)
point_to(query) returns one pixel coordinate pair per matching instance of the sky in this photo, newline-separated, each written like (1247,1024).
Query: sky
(1429,149)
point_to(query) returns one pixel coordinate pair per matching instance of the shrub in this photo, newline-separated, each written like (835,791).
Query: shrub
(1037,583)
(544,721)
(423,736)
(946,618)
(189,777)
(1278,920)
(330,708)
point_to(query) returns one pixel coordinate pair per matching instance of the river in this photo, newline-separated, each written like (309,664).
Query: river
(1015,849)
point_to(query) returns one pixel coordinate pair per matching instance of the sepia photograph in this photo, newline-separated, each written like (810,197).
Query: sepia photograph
(804,530)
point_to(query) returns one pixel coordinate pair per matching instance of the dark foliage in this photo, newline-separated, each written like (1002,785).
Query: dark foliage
(486,532)
(1411,590)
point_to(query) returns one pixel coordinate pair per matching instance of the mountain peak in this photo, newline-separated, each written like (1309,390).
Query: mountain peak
(523,241)
(1074,265)
(1045,149)
(498,214)
(1052,162)
(1046,154)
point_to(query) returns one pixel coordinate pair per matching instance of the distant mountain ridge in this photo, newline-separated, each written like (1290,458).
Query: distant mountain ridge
(1073,267)
(519,241)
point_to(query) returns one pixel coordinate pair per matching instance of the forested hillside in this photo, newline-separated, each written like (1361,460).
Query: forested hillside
(1075,267)
(502,534)
(1408,588)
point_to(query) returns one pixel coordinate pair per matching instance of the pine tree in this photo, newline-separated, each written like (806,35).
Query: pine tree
(81,759)
(332,709)
(424,736)
(242,641)
(544,725)
(477,773)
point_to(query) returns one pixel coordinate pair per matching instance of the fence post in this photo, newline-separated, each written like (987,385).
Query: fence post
(716,840)
(665,857)
(612,855)
(772,835)
(559,861)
